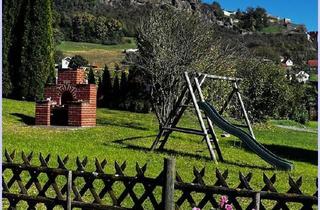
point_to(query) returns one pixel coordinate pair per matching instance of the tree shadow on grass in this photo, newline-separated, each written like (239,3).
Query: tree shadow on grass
(123,142)
(24,118)
(137,126)
(290,153)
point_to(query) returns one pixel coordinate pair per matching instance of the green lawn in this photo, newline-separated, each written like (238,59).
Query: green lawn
(313,77)
(273,29)
(83,46)
(126,136)
(97,54)
(311,125)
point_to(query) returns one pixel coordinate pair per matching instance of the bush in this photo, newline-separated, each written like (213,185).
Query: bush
(171,42)
(267,93)
(300,115)
(58,56)
(264,89)
(77,61)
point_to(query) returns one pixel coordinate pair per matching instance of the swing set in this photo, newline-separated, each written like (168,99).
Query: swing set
(192,96)
(189,97)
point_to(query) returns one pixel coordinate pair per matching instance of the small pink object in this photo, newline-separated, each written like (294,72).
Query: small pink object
(223,200)
(228,207)
(196,208)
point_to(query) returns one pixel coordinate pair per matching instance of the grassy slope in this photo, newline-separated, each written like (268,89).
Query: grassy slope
(127,136)
(309,125)
(97,54)
(273,29)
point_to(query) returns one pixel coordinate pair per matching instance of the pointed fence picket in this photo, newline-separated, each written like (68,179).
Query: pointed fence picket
(78,189)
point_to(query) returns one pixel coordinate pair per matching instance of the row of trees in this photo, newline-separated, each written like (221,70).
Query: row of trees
(129,92)
(27,48)
(108,22)
(99,29)
(253,19)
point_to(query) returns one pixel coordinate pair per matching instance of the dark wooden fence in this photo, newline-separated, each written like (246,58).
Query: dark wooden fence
(39,186)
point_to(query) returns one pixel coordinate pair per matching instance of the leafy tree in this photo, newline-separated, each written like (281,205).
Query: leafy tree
(267,93)
(171,42)
(254,18)
(91,78)
(101,29)
(77,61)
(217,10)
(82,27)
(58,56)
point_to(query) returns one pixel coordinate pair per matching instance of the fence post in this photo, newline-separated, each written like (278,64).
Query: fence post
(169,179)
(257,201)
(69,190)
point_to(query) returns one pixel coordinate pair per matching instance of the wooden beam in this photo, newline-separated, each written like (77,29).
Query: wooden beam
(210,125)
(225,105)
(233,79)
(243,110)
(195,103)
(170,177)
(185,130)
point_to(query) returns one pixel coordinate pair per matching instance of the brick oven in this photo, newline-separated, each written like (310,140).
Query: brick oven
(70,102)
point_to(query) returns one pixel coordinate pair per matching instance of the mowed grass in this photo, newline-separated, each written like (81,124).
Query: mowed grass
(273,29)
(97,54)
(311,125)
(125,136)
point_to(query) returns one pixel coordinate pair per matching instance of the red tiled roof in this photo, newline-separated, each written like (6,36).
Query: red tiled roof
(313,63)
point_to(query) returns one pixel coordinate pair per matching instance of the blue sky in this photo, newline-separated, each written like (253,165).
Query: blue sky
(299,11)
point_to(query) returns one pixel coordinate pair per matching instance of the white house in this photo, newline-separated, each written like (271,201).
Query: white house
(228,13)
(286,62)
(65,62)
(302,77)
(130,51)
(289,63)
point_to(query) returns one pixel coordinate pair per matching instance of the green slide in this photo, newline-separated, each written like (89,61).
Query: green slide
(255,146)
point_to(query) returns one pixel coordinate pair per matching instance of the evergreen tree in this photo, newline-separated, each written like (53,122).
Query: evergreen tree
(116,91)
(116,67)
(13,26)
(99,93)
(123,86)
(106,86)
(91,79)
(37,50)
(8,20)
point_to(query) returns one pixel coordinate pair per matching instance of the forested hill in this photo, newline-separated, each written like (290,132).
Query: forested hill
(107,21)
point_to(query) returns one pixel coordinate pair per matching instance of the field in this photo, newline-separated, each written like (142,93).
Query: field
(127,136)
(97,54)
(273,29)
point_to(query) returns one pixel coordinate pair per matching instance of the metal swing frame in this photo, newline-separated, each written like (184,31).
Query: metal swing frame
(190,98)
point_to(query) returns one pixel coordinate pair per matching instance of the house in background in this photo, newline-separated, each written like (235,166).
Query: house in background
(286,62)
(302,77)
(312,65)
(65,62)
